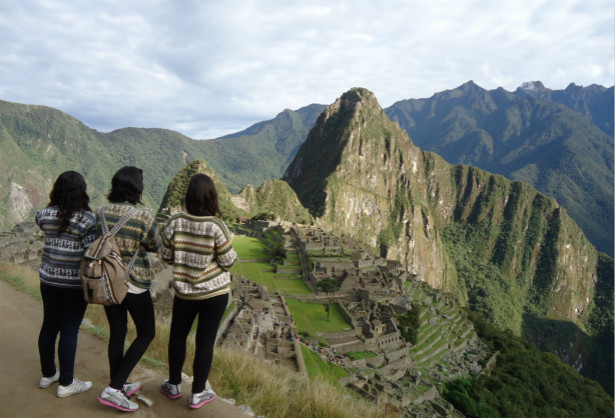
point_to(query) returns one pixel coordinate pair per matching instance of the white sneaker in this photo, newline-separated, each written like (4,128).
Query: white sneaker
(117,400)
(199,399)
(74,388)
(131,388)
(171,390)
(45,382)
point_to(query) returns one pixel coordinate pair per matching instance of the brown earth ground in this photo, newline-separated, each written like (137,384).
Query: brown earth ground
(20,372)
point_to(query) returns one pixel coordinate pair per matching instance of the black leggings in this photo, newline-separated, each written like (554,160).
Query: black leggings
(141,311)
(210,313)
(63,311)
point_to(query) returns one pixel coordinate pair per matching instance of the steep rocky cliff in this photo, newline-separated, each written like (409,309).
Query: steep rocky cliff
(499,245)
(558,141)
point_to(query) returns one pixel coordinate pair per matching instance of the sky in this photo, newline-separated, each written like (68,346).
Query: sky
(210,68)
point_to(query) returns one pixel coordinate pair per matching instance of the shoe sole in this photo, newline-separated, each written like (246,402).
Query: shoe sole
(64,395)
(179,395)
(102,401)
(133,391)
(198,405)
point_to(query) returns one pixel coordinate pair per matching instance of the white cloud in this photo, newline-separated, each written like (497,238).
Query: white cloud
(207,69)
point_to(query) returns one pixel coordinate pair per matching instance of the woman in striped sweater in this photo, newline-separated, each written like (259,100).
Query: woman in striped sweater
(69,229)
(140,235)
(199,246)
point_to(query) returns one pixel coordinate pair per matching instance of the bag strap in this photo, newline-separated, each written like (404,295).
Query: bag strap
(105,229)
(125,218)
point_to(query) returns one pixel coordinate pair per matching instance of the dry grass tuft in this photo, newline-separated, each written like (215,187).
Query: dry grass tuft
(277,392)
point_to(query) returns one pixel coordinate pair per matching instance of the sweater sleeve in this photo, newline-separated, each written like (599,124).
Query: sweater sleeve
(167,248)
(151,241)
(225,253)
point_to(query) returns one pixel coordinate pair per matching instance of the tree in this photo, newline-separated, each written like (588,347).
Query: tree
(278,253)
(409,324)
(329,286)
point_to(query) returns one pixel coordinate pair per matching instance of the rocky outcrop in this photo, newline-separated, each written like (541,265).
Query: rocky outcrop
(20,204)
(24,244)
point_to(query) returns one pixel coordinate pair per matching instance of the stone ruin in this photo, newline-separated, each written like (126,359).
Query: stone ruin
(23,245)
(372,292)
(262,325)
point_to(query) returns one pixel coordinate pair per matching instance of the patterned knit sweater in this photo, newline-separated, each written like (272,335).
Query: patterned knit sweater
(140,234)
(62,253)
(200,248)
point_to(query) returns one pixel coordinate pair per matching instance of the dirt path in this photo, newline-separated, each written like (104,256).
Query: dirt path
(20,372)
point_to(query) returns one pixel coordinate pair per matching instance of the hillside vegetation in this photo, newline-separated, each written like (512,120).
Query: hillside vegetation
(559,142)
(525,383)
(272,200)
(37,143)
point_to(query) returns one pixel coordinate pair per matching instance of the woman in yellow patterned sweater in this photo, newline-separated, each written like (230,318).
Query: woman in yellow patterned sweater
(199,246)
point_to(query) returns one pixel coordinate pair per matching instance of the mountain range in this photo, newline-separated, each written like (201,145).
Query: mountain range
(37,143)
(559,142)
(359,173)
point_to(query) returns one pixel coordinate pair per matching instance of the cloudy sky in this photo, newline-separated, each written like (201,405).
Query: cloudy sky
(208,68)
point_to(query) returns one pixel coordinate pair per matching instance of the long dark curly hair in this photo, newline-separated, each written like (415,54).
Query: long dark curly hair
(202,197)
(69,195)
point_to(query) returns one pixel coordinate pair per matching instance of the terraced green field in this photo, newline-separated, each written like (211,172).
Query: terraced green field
(253,264)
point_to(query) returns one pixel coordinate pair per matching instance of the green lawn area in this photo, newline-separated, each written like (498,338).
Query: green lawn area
(356,355)
(262,273)
(317,368)
(255,270)
(249,248)
(228,310)
(312,317)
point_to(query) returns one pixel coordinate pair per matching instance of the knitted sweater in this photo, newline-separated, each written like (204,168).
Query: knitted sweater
(140,234)
(200,248)
(62,253)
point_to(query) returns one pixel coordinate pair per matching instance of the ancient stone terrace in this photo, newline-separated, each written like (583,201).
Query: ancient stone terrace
(351,263)
(261,324)
(372,292)
(317,241)
(24,244)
